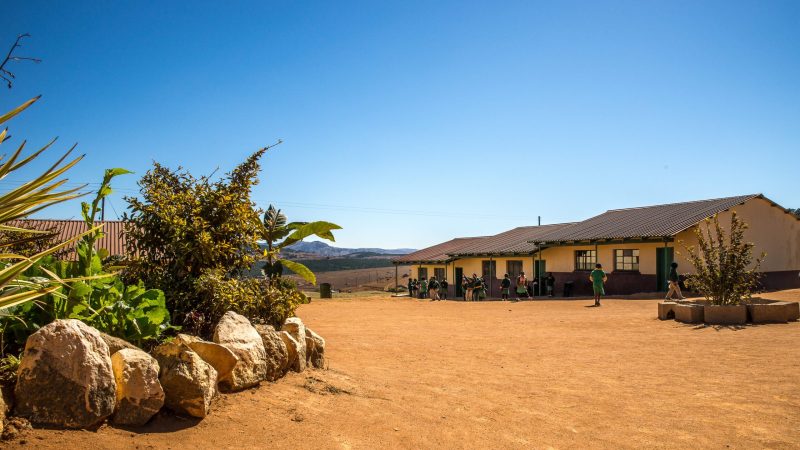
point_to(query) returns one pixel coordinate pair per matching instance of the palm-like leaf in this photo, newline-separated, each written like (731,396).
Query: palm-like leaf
(320,228)
(301,270)
(32,196)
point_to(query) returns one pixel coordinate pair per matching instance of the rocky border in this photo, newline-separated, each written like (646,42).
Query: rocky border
(73,376)
(759,311)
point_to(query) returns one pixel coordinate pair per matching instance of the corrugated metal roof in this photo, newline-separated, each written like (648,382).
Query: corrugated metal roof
(644,222)
(438,253)
(511,242)
(113,238)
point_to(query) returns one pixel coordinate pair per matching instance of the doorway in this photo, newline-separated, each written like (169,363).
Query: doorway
(539,271)
(664,257)
(459,275)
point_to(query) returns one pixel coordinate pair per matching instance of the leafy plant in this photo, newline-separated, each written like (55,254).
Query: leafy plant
(182,227)
(260,300)
(725,272)
(278,234)
(30,197)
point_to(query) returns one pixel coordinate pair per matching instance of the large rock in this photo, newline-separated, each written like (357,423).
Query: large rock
(236,333)
(65,378)
(275,348)
(116,344)
(189,383)
(295,327)
(296,363)
(221,358)
(139,393)
(315,349)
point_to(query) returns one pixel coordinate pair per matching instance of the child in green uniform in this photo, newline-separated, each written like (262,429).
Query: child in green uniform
(505,287)
(423,288)
(598,278)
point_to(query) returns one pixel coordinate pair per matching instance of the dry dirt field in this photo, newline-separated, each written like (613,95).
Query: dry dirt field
(545,374)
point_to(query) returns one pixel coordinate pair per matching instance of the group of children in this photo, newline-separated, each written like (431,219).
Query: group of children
(433,288)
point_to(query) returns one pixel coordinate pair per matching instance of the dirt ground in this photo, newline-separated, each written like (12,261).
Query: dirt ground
(545,374)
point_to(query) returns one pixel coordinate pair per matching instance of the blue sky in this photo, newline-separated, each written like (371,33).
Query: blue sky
(409,123)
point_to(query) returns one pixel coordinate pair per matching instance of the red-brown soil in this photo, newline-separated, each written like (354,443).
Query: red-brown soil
(417,374)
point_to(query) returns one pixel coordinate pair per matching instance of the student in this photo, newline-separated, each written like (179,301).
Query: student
(674,283)
(433,288)
(480,286)
(464,286)
(443,290)
(411,287)
(471,287)
(550,282)
(533,289)
(522,286)
(598,278)
(505,287)
(423,288)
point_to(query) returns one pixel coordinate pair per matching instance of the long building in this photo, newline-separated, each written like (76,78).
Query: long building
(635,246)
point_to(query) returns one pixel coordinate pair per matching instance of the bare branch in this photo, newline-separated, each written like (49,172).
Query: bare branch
(6,75)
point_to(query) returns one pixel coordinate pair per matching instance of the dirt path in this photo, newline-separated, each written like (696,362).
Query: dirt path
(411,374)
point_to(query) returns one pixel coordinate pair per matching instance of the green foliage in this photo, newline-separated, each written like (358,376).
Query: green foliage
(36,194)
(28,244)
(260,300)
(278,234)
(725,272)
(183,226)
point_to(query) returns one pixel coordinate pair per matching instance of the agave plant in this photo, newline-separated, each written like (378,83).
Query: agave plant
(278,234)
(30,197)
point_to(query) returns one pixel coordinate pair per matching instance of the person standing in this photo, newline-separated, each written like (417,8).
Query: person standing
(505,287)
(522,286)
(410,287)
(433,288)
(674,283)
(550,282)
(423,288)
(598,279)
(443,290)
(471,287)
(464,286)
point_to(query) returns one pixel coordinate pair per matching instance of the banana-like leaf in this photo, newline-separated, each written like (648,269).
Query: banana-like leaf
(301,270)
(320,228)
(18,109)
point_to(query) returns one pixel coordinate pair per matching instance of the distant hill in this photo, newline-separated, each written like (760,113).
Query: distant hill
(323,249)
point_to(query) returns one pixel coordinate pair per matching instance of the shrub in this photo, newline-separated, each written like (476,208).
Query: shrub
(725,272)
(182,226)
(261,300)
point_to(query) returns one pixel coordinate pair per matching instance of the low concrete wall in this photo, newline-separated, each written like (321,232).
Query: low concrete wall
(688,312)
(725,315)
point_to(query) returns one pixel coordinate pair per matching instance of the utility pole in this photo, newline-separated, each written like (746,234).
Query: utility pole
(103,209)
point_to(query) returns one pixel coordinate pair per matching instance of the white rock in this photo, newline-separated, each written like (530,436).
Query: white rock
(189,383)
(236,333)
(65,377)
(139,393)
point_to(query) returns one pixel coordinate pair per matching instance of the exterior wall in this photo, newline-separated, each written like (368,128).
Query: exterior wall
(771,230)
(415,270)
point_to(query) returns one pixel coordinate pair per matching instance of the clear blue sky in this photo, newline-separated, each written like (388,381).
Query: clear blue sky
(409,123)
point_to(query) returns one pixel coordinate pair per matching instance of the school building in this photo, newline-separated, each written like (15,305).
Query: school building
(635,246)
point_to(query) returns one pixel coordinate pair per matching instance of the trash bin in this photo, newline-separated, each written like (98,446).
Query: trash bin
(568,288)
(324,290)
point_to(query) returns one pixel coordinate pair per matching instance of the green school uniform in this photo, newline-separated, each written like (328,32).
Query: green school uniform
(597,281)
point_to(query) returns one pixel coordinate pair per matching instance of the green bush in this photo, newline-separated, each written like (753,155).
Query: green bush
(725,271)
(261,300)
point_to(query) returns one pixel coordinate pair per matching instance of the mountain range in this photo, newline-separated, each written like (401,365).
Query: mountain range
(323,249)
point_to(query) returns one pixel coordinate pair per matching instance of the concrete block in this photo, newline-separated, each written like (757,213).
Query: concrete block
(665,310)
(725,315)
(792,310)
(768,312)
(689,313)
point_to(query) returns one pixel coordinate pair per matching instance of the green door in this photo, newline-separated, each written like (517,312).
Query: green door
(664,257)
(457,282)
(539,271)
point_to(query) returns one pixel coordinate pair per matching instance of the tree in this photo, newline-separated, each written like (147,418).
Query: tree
(275,228)
(725,272)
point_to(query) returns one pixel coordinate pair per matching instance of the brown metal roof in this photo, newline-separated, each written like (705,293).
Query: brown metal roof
(659,221)
(438,253)
(511,242)
(113,238)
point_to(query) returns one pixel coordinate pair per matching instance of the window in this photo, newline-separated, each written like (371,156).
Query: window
(513,268)
(438,272)
(422,272)
(488,269)
(626,260)
(585,259)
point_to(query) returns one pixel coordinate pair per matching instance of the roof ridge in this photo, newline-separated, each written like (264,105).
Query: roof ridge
(747,196)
